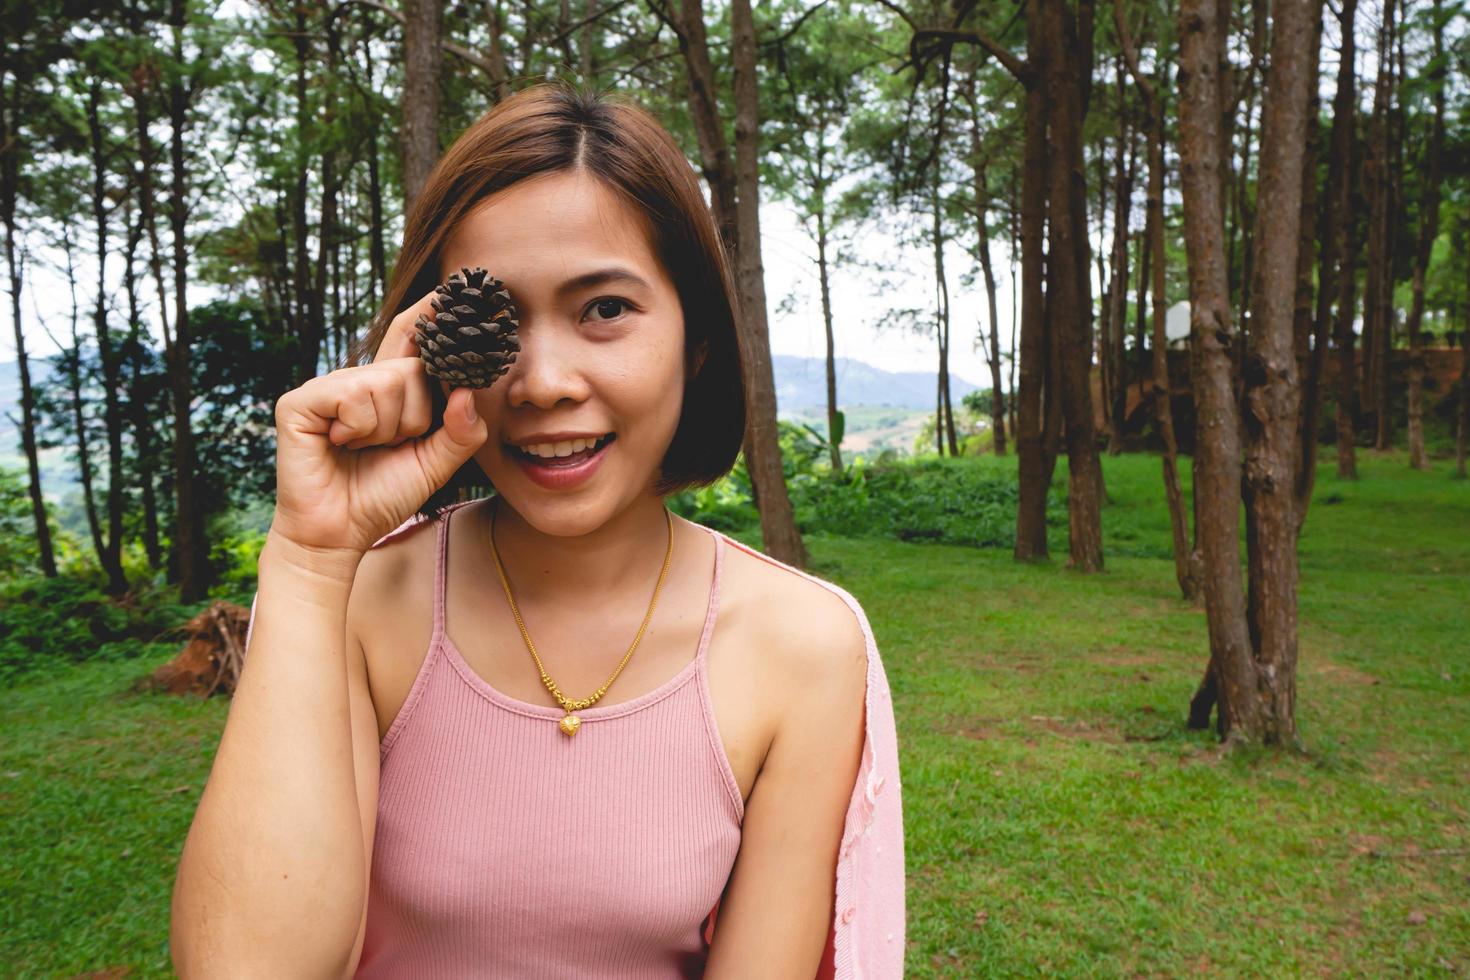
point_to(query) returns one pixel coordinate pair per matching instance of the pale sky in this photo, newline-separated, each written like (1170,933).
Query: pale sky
(790,263)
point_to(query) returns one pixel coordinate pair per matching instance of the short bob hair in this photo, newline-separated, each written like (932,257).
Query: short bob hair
(553,127)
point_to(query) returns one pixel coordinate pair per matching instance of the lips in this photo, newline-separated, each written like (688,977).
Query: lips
(554,461)
(561,472)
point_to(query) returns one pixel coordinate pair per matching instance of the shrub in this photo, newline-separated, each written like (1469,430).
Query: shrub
(46,623)
(954,501)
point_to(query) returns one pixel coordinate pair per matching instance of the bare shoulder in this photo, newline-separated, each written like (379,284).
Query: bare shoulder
(389,576)
(391,610)
(804,625)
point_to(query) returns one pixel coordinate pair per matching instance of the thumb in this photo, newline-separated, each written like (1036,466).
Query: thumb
(446,449)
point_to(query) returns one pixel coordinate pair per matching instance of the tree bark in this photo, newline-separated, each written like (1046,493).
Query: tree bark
(982,205)
(1310,331)
(1428,230)
(1034,454)
(1069,297)
(1186,559)
(1110,347)
(1339,269)
(11,102)
(763,448)
(1462,429)
(704,110)
(377,253)
(423,63)
(326,232)
(109,555)
(189,545)
(138,399)
(1377,299)
(1230,676)
(944,431)
(74,382)
(834,437)
(1272,389)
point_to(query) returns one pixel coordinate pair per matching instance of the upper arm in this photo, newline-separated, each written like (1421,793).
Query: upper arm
(782,889)
(392,576)
(365,744)
(365,767)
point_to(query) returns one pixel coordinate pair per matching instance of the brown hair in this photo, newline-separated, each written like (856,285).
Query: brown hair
(557,126)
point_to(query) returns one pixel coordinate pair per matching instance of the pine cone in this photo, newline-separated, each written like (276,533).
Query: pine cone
(472,339)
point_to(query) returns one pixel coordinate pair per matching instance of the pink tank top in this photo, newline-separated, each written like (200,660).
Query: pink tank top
(505,848)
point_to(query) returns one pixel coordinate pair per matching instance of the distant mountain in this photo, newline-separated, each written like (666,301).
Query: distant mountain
(10,381)
(801,383)
(801,386)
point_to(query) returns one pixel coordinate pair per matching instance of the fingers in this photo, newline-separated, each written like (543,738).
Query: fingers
(464,431)
(398,342)
(373,405)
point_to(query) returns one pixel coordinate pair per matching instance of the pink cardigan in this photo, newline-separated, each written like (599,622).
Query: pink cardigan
(868,916)
(867,938)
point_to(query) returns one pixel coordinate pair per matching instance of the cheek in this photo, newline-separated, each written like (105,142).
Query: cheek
(648,380)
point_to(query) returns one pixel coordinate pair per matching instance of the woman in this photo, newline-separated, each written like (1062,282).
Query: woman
(471,738)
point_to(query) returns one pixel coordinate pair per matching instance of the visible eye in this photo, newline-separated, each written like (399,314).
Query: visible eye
(608,305)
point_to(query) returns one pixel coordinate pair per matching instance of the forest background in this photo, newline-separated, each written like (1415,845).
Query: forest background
(200,205)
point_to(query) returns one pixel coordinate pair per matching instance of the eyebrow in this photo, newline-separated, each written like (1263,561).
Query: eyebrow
(599,277)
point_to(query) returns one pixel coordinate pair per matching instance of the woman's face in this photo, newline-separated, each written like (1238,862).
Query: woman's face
(602,347)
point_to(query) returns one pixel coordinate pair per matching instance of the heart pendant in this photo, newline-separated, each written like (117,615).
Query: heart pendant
(570,724)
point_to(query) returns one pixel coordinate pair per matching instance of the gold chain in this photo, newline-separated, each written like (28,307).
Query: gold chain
(570,723)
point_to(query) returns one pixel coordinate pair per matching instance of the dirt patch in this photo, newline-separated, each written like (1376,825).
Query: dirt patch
(1343,673)
(980,729)
(1122,656)
(1078,728)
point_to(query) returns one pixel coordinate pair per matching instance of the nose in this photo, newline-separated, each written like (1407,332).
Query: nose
(548,369)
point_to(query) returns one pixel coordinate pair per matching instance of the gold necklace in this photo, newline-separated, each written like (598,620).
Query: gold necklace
(570,722)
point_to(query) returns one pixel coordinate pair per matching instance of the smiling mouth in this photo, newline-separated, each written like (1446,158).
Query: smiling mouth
(555,462)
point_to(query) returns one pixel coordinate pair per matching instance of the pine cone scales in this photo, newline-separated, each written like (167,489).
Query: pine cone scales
(472,340)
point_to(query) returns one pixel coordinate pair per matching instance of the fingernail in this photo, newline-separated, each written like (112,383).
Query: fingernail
(469,409)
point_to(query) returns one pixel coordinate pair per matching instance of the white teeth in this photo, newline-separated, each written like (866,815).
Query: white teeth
(551,450)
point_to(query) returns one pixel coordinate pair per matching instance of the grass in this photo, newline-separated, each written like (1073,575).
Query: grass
(1059,818)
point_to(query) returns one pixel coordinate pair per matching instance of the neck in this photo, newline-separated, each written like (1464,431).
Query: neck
(599,565)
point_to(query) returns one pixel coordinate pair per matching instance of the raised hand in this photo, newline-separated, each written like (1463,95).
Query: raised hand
(352,460)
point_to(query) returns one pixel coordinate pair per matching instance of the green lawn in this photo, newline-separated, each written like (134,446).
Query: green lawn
(1059,817)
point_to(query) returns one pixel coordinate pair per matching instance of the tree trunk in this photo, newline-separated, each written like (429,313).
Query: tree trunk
(944,420)
(137,403)
(1272,391)
(1033,391)
(997,390)
(1428,230)
(1230,677)
(10,139)
(1377,299)
(1309,331)
(377,254)
(1186,559)
(1462,429)
(763,448)
(704,110)
(423,62)
(326,232)
(1014,225)
(189,545)
(1110,352)
(74,380)
(1339,268)
(834,437)
(109,555)
(1069,301)
(739,226)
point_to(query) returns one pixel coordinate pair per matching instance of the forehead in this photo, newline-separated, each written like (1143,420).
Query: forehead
(545,229)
